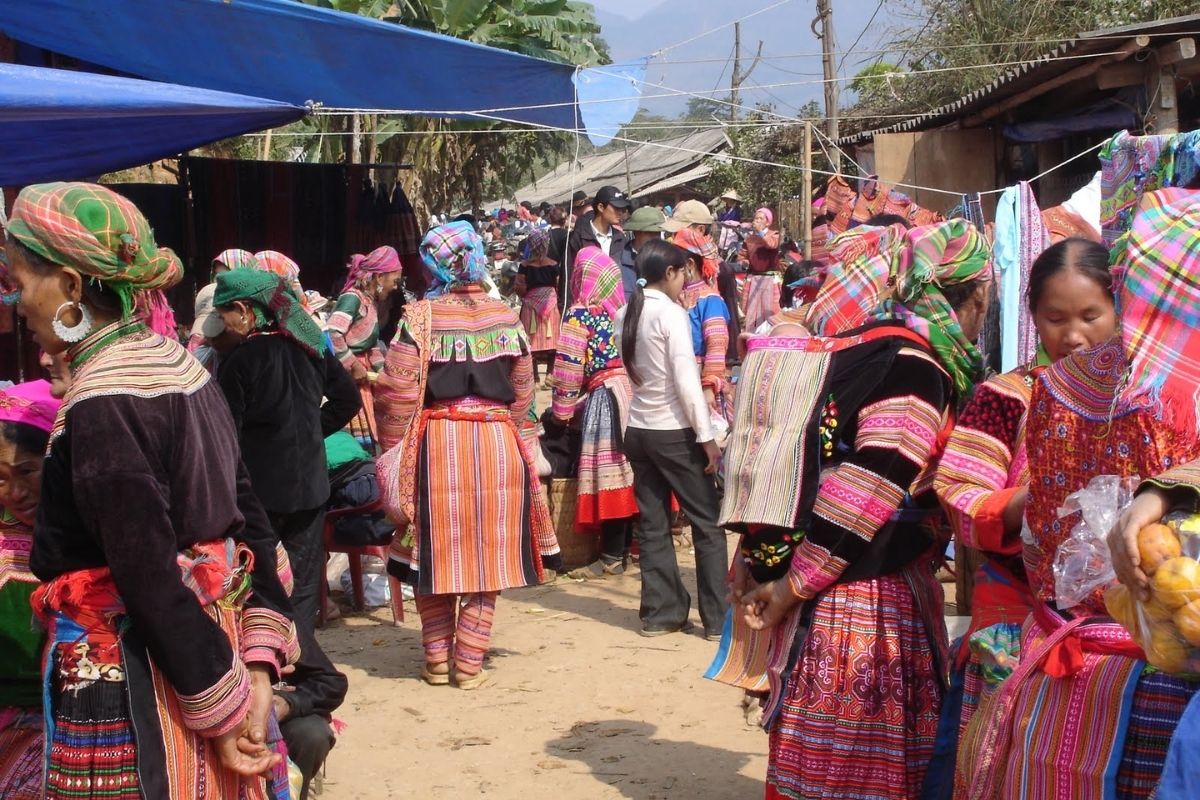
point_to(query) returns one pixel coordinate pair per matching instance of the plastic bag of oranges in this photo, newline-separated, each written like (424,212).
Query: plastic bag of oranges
(1082,563)
(1167,626)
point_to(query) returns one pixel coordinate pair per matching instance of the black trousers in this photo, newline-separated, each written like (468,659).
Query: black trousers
(309,740)
(300,532)
(664,462)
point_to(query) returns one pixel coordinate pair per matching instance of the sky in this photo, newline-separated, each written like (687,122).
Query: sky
(791,53)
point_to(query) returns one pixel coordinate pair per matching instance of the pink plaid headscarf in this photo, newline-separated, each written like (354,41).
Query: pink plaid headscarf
(380,261)
(596,281)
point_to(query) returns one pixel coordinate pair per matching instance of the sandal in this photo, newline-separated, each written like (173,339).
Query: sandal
(435,678)
(471,681)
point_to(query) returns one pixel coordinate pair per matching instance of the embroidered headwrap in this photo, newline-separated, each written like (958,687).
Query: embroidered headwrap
(596,281)
(96,231)
(536,247)
(856,281)
(380,261)
(927,259)
(454,255)
(273,303)
(278,264)
(1159,305)
(236,258)
(29,403)
(701,244)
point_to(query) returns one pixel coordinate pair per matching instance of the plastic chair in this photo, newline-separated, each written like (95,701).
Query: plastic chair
(355,554)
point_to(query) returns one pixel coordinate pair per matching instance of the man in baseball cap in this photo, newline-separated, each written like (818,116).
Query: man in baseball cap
(645,224)
(689,213)
(601,228)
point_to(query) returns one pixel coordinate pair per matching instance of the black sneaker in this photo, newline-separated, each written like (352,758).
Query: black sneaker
(650,631)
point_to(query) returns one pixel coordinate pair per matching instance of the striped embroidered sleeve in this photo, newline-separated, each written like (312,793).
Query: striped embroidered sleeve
(521,378)
(568,376)
(1182,481)
(715,331)
(975,479)
(396,400)
(896,438)
(268,638)
(339,324)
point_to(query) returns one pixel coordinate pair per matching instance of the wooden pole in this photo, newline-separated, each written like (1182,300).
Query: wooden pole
(628,176)
(806,223)
(825,17)
(739,77)
(355,140)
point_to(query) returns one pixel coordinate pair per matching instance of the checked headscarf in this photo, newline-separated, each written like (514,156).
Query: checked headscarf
(96,231)
(454,255)
(596,281)
(1159,305)
(928,259)
(274,304)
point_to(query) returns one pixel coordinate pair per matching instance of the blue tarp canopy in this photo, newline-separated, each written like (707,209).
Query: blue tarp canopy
(61,125)
(296,53)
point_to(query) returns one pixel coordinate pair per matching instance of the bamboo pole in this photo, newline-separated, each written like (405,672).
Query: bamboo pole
(806,220)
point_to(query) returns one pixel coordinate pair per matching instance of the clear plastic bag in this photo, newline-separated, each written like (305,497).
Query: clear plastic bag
(1082,563)
(1167,626)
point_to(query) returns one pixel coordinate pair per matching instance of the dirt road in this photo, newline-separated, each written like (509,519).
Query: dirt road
(579,706)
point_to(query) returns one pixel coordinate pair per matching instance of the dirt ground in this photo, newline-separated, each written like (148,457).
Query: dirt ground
(579,706)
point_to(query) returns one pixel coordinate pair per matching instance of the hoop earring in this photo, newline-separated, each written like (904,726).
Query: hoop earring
(77,332)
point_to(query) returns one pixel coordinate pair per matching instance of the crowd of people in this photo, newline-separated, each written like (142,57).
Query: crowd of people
(162,498)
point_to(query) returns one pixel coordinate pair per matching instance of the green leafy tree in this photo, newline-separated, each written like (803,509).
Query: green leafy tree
(950,46)
(872,84)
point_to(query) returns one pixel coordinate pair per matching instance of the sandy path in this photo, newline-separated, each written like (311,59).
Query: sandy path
(580,706)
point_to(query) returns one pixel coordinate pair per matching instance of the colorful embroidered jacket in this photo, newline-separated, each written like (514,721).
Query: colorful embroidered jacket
(478,348)
(709,317)
(586,346)
(143,464)
(983,467)
(894,446)
(354,330)
(1072,436)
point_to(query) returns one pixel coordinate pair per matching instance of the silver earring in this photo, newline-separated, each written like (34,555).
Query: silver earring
(77,332)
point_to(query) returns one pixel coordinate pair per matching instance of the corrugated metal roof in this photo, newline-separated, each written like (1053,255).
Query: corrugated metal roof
(682,179)
(1030,73)
(649,164)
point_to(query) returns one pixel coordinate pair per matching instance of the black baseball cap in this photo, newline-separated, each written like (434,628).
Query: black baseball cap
(612,196)
(580,198)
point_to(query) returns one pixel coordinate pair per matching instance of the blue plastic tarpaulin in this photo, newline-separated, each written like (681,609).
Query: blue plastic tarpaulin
(62,125)
(295,53)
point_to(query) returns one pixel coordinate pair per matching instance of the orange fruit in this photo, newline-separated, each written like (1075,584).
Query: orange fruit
(1121,606)
(1165,650)
(1187,620)
(1155,611)
(1157,543)
(1177,582)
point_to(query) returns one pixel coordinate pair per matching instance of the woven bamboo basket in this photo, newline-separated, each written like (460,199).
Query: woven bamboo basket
(577,550)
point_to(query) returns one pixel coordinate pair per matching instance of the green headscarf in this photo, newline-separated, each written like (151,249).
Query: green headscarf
(927,259)
(273,303)
(96,231)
